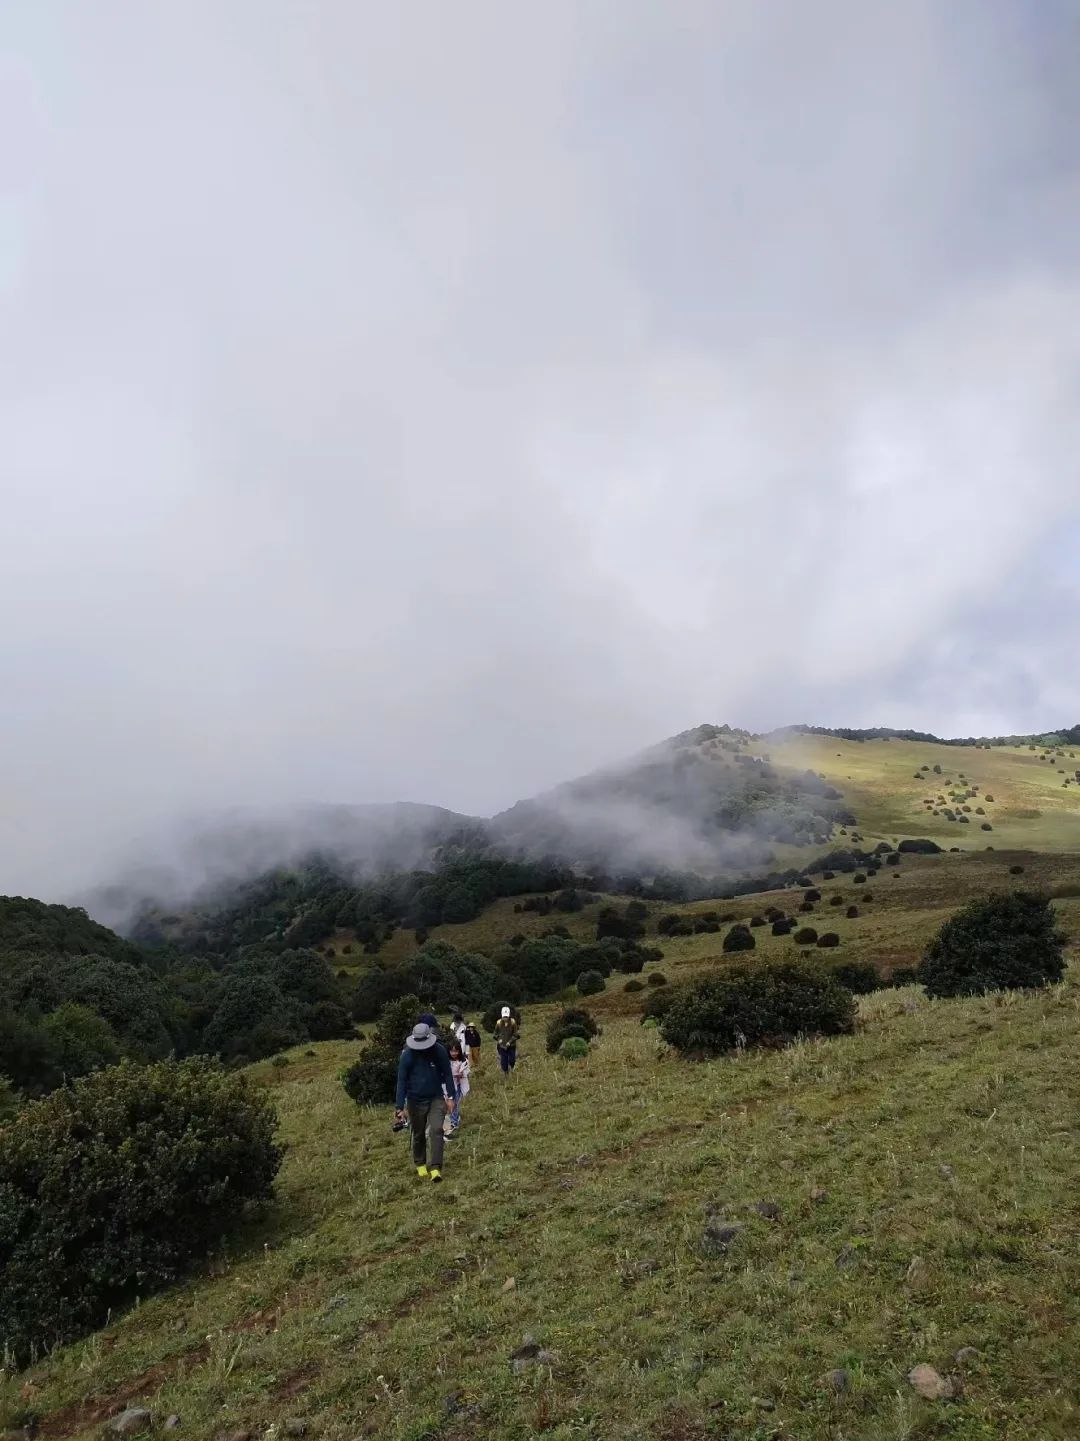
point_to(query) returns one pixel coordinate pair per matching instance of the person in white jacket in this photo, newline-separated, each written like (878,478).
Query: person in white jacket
(459,1065)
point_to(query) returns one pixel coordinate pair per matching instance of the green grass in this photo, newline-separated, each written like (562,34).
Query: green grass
(941,1131)
(1031,809)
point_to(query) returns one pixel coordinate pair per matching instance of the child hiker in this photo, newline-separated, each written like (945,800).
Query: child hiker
(459,1065)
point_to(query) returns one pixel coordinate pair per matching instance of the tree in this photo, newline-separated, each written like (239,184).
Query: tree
(589,983)
(996,943)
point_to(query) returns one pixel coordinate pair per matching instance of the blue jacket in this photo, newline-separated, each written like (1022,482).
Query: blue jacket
(421,1075)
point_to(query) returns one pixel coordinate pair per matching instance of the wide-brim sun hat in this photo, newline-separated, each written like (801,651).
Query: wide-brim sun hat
(422,1038)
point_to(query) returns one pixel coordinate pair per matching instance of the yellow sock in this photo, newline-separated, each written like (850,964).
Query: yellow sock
(422,1172)
(436,1175)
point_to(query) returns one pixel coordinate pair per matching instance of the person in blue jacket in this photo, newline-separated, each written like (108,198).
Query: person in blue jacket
(424,1081)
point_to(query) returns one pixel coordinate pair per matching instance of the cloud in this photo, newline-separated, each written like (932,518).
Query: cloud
(434,404)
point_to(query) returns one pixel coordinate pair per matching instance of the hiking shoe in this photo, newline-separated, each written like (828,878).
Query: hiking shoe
(436,1175)
(423,1172)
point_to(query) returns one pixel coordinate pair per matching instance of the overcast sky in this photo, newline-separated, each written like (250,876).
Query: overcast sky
(434,401)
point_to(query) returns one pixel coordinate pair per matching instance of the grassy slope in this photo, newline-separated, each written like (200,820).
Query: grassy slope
(1032,809)
(944,1131)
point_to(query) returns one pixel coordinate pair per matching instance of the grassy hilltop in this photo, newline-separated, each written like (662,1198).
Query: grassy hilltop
(921,1181)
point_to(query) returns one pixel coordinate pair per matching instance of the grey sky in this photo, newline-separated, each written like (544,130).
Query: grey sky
(435,401)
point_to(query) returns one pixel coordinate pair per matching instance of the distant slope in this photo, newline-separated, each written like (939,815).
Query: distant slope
(706,800)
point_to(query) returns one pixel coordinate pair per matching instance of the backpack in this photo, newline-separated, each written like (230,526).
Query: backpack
(472,1038)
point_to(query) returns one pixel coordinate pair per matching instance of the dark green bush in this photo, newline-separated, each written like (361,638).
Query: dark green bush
(921,846)
(658,1002)
(634,985)
(657,979)
(739,938)
(756,921)
(806,937)
(371,1080)
(110,1188)
(574,1021)
(590,983)
(903,976)
(812,894)
(859,977)
(836,900)
(996,943)
(828,939)
(852,912)
(986,826)
(783,927)
(755,1005)
(1016,870)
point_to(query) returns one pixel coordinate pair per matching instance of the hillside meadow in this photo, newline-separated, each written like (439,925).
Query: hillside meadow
(920,1181)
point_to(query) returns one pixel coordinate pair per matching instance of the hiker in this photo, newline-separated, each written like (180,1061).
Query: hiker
(424,1081)
(506,1039)
(459,1065)
(457,1027)
(472,1046)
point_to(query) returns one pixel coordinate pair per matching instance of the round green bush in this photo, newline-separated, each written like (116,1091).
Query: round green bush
(650,1023)
(1001,942)
(574,1021)
(739,938)
(634,985)
(110,1188)
(657,979)
(756,1005)
(573,1048)
(782,927)
(590,983)
(828,939)
(806,937)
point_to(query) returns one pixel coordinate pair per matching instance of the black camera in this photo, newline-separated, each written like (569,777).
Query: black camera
(398,1125)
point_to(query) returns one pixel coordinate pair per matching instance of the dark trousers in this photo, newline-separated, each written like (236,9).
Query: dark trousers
(507,1058)
(426,1120)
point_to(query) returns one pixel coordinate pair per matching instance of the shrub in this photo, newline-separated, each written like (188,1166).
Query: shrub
(590,983)
(782,927)
(828,875)
(851,912)
(858,879)
(812,895)
(756,921)
(989,798)
(920,847)
(110,1188)
(806,937)
(828,939)
(634,985)
(659,1002)
(859,977)
(650,1022)
(986,826)
(574,1048)
(903,976)
(739,938)
(1016,870)
(657,979)
(996,943)
(806,906)
(836,900)
(574,1021)
(868,896)
(756,1005)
